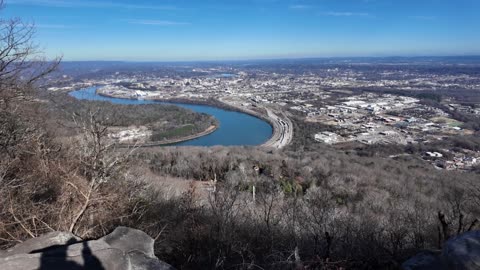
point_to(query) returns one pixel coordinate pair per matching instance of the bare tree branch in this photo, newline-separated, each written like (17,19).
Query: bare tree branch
(22,63)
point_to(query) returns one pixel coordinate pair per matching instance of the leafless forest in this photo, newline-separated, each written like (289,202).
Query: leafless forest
(226,208)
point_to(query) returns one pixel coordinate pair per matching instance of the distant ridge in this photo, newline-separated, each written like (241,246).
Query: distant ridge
(372,59)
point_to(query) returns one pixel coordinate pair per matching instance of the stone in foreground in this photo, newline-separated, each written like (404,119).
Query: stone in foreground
(123,249)
(459,253)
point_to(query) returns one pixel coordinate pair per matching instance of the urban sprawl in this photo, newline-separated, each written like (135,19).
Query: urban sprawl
(329,97)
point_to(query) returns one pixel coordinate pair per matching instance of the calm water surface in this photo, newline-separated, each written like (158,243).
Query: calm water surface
(236,128)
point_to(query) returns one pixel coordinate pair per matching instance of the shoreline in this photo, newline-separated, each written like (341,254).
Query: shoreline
(206,132)
(206,102)
(277,132)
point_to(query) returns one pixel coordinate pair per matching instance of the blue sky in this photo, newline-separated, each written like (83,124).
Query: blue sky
(166,30)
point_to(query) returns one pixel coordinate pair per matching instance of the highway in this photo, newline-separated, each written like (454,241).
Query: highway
(282,131)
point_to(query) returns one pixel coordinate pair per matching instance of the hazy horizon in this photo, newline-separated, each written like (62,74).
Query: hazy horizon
(434,57)
(188,30)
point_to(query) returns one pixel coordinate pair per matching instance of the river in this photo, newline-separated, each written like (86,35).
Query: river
(236,128)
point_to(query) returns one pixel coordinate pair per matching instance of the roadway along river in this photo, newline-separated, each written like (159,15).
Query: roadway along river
(235,128)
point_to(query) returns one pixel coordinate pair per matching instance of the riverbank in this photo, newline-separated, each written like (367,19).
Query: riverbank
(206,132)
(282,128)
(282,134)
(207,102)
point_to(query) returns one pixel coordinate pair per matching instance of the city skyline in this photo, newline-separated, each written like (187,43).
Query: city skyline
(254,29)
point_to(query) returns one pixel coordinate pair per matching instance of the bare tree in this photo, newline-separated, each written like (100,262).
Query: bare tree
(26,156)
(22,63)
(100,162)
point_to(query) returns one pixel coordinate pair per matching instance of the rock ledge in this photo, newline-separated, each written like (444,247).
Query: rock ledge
(123,249)
(459,253)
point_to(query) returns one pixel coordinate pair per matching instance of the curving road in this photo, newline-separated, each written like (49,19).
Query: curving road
(282,130)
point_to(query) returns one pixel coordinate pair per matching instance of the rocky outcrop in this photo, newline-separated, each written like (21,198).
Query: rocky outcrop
(459,253)
(123,249)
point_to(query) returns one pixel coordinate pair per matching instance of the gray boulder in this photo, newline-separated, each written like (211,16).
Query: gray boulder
(463,252)
(123,249)
(459,253)
(129,240)
(42,242)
